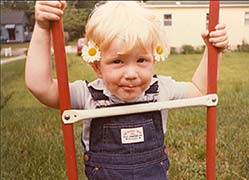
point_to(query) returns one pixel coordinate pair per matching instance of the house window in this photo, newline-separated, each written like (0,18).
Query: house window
(167,19)
(247,18)
(207,20)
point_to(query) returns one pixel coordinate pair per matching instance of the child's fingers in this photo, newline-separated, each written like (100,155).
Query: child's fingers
(205,36)
(220,26)
(221,45)
(217,33)
(218,39)
(64,4)
(48,10)
(50,6)
(220,42)
(57,4)
(48,16)
(52,10)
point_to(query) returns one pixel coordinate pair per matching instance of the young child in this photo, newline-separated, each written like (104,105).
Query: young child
(124,42)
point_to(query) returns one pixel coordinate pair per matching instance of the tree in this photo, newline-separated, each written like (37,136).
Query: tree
(18,5)
(74,19)
(85,4)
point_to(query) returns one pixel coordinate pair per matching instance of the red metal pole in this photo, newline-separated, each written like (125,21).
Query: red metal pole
(212,88)
(61,70)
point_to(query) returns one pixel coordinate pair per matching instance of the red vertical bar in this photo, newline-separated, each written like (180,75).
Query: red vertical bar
(212,88)
(61,70)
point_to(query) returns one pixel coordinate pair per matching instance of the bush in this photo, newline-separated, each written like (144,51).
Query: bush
(200,50)
(244,47)
(188,49)
(74,20)
(173,50)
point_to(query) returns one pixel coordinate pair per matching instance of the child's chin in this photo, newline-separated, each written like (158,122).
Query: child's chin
(129,99)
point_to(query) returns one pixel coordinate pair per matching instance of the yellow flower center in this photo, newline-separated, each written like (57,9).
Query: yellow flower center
(92,51)
(159,50)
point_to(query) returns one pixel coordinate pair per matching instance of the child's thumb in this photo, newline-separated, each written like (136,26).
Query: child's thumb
(205,36)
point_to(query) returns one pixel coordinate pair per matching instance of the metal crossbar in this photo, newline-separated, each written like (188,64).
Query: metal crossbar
(72,116)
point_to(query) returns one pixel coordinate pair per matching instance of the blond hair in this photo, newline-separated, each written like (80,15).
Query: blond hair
(128,19)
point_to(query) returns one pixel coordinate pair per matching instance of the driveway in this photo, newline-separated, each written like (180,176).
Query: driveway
(17,53)
(7,60)
(21,54)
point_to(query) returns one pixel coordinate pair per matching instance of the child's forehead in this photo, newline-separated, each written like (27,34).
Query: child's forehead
(121,46)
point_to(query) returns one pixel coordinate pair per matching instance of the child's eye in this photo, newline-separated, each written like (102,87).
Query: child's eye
(117,61)
(141,60)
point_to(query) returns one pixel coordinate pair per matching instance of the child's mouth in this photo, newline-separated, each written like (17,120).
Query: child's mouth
(128,87)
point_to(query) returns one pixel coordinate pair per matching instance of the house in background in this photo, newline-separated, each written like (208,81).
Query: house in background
(185,20)
(15,27)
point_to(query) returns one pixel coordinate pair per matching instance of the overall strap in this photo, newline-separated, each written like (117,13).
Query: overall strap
(153,88)
(96,94)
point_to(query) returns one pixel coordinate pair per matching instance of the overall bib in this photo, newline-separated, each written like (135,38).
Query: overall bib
(127,147)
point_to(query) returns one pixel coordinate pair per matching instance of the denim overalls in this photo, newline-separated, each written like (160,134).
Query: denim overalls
(127,147)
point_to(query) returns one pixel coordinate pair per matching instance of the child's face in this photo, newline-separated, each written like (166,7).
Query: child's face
(125,75)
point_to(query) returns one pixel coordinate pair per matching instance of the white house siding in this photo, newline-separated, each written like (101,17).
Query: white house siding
(188,21)
(234,18)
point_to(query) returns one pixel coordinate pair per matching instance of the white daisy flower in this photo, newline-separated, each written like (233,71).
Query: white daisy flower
(90,52)
(160,54)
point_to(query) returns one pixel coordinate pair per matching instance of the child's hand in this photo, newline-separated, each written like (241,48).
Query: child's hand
(46,11)
(217,38)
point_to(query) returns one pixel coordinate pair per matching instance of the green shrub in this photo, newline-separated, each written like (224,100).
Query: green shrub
(200,50)
(173,50)
(244,47)
(188,49)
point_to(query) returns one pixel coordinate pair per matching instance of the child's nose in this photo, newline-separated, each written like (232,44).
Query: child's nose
(130,73)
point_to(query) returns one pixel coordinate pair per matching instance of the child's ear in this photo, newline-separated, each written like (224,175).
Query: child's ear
(96,68)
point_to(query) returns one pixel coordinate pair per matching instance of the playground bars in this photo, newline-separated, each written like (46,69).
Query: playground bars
(62,76)
(68,134)
(212,88)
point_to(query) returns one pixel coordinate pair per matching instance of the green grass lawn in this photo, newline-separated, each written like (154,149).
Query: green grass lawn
(31,135)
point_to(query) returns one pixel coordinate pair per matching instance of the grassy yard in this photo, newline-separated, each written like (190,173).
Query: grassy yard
(31,136)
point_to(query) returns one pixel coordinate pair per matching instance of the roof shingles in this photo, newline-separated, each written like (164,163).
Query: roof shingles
(13,17)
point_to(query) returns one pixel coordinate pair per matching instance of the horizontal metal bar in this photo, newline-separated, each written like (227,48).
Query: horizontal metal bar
(72,116)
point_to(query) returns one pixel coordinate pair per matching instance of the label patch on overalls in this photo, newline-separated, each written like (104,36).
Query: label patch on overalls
(132,135)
